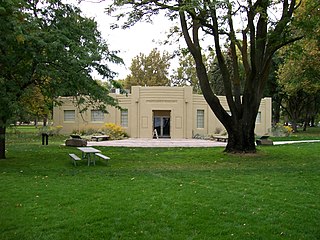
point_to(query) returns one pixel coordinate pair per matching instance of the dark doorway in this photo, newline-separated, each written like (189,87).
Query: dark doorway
(161,123)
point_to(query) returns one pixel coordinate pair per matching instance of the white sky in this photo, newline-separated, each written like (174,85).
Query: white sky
(141,38)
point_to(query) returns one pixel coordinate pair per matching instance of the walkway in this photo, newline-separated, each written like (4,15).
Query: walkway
(290,142)
(138,142)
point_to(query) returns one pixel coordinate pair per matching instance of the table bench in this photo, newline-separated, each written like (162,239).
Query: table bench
(74,158)
(101,137)
(264,140)
(221,138)
(100,155)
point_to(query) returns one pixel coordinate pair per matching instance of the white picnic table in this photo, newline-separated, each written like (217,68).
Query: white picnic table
(87,152)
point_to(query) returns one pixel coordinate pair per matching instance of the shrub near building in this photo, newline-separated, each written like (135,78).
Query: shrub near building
(114,131)
(280,130)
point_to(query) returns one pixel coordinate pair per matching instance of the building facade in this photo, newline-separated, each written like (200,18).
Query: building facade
(174,112)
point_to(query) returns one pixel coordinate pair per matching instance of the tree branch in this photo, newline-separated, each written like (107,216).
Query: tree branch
(235,66)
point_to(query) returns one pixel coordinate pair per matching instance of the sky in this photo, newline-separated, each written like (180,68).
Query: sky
(141,38)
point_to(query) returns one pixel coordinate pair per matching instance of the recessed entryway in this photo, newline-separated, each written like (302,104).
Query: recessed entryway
(161,123)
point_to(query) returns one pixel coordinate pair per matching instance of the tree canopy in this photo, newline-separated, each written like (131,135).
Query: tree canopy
(186,73)
(299,75)
(51,46)
(256,29)
(149,70)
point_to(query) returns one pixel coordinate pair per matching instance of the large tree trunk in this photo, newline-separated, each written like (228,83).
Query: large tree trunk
(241,134)
(276,103)
(294,126)
(45,120)
(312,121)
(241,139)
(2,142)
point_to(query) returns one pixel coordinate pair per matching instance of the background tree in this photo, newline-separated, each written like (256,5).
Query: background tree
(259,35)
(49,45)
(299,77)
(151,70)
(215,75)
(299,74)
(186,73)
(35,105)
(274,89)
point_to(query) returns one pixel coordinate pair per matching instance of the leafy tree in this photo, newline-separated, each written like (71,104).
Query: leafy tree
(51,46)
(299,75)
(35,105)
(151,70)
(274,89)
(215,75)
(215,78)
(250,26)
(186,74)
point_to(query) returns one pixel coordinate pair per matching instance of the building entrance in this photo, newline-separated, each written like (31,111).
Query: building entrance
(161,123)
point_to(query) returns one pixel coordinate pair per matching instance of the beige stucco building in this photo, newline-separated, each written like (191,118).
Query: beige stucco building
(173,111)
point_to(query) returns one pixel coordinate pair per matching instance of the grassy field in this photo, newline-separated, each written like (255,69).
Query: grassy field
(26,129)
(159,193)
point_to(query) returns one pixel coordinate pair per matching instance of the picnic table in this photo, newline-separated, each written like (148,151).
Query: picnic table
(87,152)
(101,137)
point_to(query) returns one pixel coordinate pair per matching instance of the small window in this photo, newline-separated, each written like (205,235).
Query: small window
(258,119)
(69,115)
(97,116)
(200,118)
(124,118)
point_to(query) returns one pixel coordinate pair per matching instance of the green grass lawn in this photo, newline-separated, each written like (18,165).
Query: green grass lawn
(159,193)
(25,129)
